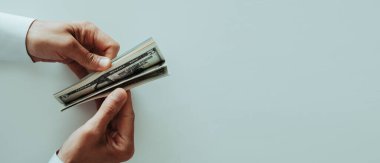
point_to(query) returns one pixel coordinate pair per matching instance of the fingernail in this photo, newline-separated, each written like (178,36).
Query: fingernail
(104,62)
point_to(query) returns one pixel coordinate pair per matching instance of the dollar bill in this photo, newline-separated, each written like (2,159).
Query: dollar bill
(135,67)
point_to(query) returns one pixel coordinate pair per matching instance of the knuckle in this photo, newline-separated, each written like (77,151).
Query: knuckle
(113,102)
(66,26)
(91,59)
(111,106)
(110,110)
(87,23)
(117,46)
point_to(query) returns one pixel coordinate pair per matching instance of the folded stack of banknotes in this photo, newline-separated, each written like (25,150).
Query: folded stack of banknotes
(139,65)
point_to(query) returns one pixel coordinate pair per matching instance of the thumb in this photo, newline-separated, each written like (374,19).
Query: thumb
(109,109)
(90,61)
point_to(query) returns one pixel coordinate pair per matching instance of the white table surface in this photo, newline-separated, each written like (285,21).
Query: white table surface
(258,81)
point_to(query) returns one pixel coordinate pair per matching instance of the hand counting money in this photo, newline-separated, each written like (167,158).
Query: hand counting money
(140,65)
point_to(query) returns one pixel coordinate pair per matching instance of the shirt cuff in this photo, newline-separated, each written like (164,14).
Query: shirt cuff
(55,159)
(13,31)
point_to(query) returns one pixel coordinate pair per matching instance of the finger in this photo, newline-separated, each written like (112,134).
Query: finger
(87,59)
(78,70)
(126,119)
(109,109)
(107,46)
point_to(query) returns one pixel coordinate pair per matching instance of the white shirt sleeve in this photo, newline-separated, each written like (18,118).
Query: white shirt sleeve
(55,159)
(13,30)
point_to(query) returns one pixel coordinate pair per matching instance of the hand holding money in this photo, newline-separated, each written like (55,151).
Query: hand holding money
(107,137)
(141,64)
(84,48)
(77,44)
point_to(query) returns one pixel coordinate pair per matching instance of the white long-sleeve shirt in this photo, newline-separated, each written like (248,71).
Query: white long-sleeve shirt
(13,31)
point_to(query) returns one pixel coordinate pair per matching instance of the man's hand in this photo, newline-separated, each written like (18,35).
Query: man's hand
(78,44)
(107,137)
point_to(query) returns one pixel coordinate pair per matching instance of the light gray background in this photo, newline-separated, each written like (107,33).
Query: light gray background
(261,81)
